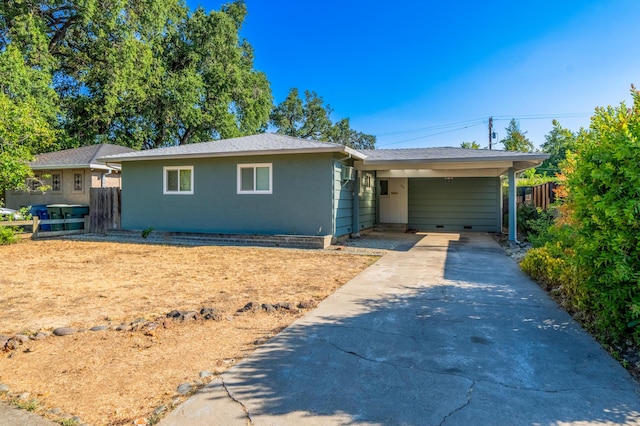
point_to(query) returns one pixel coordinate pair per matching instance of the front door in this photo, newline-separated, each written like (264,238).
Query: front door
(394,200)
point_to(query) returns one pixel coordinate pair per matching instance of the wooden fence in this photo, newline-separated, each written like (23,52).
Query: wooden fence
(104,209)
(57,227)
(540,195)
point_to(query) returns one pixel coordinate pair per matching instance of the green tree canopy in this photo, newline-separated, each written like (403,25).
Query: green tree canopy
(557,143)
(310,118)
(470,145)
(142,74)
(515,140)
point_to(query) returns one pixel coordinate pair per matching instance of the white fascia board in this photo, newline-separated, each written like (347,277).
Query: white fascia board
(339,149)
(73,166)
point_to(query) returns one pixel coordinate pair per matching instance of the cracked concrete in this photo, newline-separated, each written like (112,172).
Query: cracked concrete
(447,333)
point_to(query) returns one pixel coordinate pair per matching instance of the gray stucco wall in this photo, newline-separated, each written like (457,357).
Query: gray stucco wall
(301,202)
(460,204)
(67,194)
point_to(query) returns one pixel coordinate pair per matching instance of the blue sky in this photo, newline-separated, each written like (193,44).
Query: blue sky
(425,73)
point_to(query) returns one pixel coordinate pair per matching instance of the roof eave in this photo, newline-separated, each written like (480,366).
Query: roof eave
(339,149)
(70,166)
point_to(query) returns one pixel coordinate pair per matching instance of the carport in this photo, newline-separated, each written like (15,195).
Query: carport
(446,189)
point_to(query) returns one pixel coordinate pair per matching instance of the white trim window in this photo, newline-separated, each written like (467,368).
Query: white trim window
(177,180)
(255,178)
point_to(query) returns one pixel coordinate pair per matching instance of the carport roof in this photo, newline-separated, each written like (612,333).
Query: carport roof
(447,154)
(437,162)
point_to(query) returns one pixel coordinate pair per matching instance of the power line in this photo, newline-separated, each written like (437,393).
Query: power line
(461,125)
(430,135)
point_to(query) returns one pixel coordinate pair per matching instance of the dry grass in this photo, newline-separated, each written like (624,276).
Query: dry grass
(111,377)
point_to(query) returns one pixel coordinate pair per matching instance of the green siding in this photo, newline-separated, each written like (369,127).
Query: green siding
(460,204)
(367,196)
(342,203)
(300,203)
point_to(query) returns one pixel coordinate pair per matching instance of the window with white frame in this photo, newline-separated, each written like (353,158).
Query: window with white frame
(178,180)
(255,178)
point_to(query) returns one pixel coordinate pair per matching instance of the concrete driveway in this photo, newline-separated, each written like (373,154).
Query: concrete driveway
(449,332)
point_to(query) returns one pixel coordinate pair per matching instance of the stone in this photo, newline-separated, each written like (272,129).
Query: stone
(63,331)
(40,335)
(11,344)
(21,338)
(184,388)
(307,304)
(4,388)
(187,315)
(24,396)
(204,374)
(122,327)
(285,306)
(251,306)
(210,314)
(55,411)
(268,307)
(99,328)
(159,410)
(173,314)
(76,419)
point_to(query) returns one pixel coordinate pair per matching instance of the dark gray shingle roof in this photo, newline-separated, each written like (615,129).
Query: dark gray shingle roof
(82,157)
(260,144)
(445,154)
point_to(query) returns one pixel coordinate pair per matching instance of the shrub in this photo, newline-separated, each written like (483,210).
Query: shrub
(534,222)
(8,235)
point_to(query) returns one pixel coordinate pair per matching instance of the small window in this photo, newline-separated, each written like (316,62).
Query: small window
(56,182)
(254,178)
(178,180)
(35,182)
(78,180)
(384,187)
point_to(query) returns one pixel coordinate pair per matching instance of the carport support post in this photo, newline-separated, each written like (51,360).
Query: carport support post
(355,221)
(513,206)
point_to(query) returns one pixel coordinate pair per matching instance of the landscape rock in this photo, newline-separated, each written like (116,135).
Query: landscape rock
(4,388)
(307,304)
(55,411)
(210,314)
(64,331)
(204,374)
(122,327)
(251,306)
(12,344)
(184,388)
(99,328)
(40,335)
(182,315)
(21,338)
(159,410)
(268,307)
(24,396)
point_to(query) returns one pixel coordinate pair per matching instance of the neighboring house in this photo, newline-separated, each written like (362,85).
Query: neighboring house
(275,184)
(68,174)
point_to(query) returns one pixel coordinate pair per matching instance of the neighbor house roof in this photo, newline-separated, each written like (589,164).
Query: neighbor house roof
(78,158)
(260,144)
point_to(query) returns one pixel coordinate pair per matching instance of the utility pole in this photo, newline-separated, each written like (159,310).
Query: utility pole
(490,130)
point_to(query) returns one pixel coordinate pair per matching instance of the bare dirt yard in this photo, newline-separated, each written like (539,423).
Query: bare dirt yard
(131,375)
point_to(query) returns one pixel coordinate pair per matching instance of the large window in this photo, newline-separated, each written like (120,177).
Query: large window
(178,180)
(254,178)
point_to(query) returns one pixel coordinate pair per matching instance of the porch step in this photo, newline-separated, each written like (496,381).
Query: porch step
(390,227)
